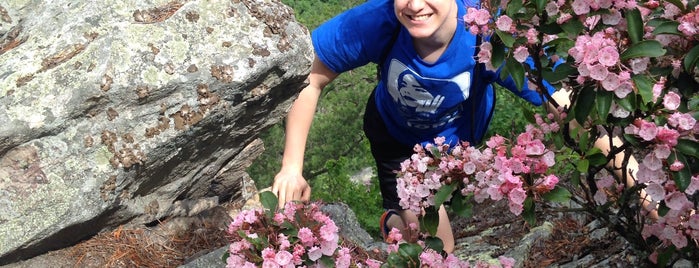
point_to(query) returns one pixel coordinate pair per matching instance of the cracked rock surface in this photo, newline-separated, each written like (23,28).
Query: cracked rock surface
(132,112)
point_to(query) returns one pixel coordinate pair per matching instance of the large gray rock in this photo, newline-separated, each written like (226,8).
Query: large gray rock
(127,112)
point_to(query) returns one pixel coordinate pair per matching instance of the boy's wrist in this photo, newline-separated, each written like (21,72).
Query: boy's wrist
(291,168)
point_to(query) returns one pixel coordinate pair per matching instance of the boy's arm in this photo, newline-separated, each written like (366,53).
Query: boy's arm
(289,183)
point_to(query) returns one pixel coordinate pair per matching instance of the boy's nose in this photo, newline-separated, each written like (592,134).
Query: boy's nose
(416,4)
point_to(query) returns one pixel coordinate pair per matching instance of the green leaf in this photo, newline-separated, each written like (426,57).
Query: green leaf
(551,28)
(575,179)
(583,165)
(563,71)
(655,22)
(693,104)
(434,150)
(513,8)
(225,256)
(529,213)
(597,160)
(573,27)
(435,243)
(677,3)
(668,27)
(663,209)
(645,48)
(682,177)
(558,140)
(430,220)
(604,104)
(289,229)
(634,23)
(258,243)
(688,147)
(410,250)
(691,59)
(583,137)
(443,193)
(584,104)
(561,42)
(506,38)
(461,206)
(498,54)
(327,261)
(632,139)
(665,256)
(558,194)
(269,200)
(595,157)
(626,103)
(396,260)
(644,84)
(540,6)
(516,70)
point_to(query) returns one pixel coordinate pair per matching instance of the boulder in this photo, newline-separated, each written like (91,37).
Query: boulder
(131,112)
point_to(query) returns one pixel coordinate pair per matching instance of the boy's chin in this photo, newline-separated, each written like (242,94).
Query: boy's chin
(420,33)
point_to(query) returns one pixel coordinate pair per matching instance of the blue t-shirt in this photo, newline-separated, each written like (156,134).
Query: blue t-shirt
(417,100)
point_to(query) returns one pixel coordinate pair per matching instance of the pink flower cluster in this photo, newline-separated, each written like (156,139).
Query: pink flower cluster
(582,7)
(597,58)
(477,20)
(689,24)
(664,119)
(503,169)
(606,186)
(680,223)
(297,237)
(597,51)
(302,236)
(485,53)
(596,55)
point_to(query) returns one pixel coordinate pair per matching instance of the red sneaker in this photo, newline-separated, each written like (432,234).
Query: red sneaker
(382,223)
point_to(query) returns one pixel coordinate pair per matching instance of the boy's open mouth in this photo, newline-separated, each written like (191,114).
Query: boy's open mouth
(420,17)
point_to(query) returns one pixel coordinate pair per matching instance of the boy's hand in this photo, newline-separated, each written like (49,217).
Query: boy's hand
(289,187)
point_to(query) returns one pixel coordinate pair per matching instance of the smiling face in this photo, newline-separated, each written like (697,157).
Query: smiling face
(433,20)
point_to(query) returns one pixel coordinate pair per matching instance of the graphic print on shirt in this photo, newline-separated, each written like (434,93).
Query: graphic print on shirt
(426,102)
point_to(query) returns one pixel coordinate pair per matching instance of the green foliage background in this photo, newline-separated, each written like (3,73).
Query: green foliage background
(337,147)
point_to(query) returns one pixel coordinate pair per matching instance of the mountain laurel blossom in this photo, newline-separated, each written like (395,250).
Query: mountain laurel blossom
(646,54)
(304,237)
(500,170)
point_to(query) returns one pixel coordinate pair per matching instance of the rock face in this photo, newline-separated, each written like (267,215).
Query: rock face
(130,112)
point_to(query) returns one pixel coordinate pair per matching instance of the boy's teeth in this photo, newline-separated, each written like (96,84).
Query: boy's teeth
(421,17)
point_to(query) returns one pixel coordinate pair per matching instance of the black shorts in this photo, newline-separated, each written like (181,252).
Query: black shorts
(388,154)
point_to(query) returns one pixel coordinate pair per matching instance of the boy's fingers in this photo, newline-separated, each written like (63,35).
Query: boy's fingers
(281,196)
(306,194)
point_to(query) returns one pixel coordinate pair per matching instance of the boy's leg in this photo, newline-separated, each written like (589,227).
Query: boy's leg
(444,230)
(389,193)
(389,154)
(604,143)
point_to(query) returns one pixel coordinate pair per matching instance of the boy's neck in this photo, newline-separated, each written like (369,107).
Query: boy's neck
(430,49)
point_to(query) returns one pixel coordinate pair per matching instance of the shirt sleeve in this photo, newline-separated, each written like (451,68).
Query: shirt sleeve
(355,37)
